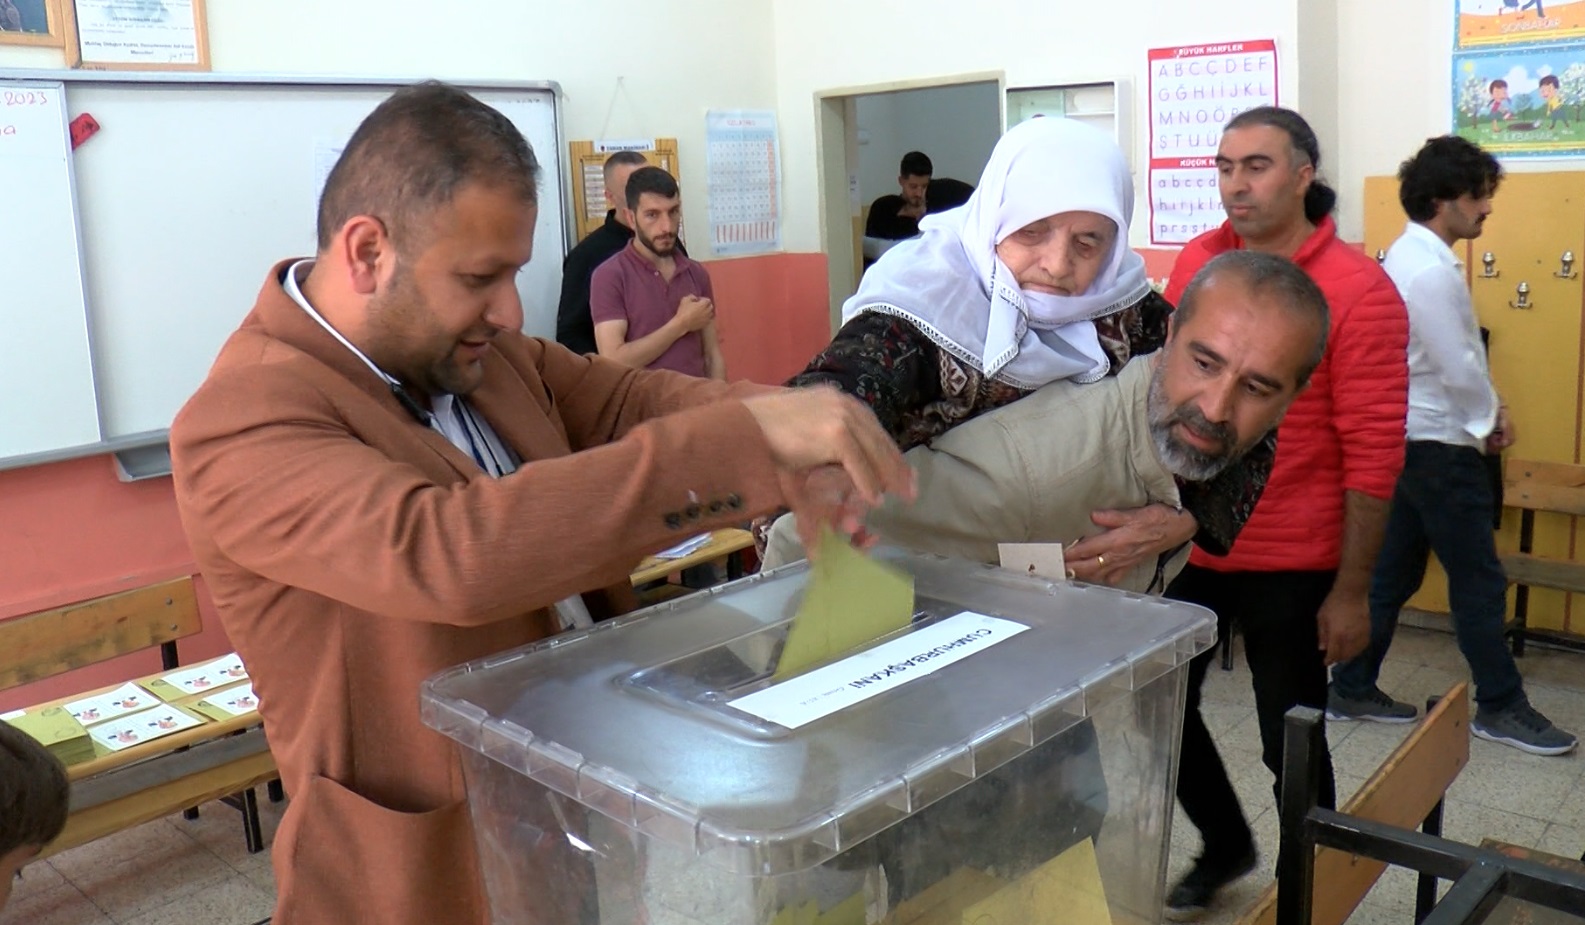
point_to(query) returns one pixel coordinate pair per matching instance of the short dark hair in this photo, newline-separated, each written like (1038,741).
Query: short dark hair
(1319,199)
(1550,80)
(621,159)
(649,180)
(1445,168)
(412,154)
(1498,84)
(1268,275)
(916,164)
(33,792)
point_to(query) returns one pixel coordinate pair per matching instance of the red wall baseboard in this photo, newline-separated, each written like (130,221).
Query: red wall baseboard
(772,313)
(73,532)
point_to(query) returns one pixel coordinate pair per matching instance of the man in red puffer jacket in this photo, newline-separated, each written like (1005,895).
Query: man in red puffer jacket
(1296,582)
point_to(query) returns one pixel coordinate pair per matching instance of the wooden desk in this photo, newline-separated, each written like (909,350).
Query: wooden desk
(106,760)
(725,544)
(114,791)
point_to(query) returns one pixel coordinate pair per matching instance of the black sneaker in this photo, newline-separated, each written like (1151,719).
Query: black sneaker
(1193,895)
(1523,727)
(1372,705)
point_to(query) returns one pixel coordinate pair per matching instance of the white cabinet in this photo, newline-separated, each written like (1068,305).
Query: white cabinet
(1101,103)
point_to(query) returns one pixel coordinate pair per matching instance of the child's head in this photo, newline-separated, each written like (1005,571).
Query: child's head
(1499,89)
(1549,86)
(33,802)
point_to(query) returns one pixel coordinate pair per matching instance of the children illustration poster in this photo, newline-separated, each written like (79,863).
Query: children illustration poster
(1522,101)
(1502,22)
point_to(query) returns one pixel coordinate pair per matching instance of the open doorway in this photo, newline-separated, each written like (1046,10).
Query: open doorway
(863,134)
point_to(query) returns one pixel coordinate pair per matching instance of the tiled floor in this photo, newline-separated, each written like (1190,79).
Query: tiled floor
(1502,793)
(199,873)
(166,872)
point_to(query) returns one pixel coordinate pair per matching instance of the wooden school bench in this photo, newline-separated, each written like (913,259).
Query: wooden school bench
(1533,486)
(1406,791)
(112,791)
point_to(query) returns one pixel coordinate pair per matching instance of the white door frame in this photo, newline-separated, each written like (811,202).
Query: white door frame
(837,141)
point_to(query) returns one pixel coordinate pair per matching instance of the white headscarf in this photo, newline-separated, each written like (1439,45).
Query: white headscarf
(950,284)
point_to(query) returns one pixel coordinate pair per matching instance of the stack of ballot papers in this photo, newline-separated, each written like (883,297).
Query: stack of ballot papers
(199,679)
(686,548)
(59,732)
(99,708)
(142,726)
(231,702)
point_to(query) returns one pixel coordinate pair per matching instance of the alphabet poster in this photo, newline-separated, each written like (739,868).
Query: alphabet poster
(1194,91)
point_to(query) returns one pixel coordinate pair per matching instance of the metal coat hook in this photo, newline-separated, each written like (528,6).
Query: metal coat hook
(1489,261)
(1381,255)
(1523,289)
(1568,271)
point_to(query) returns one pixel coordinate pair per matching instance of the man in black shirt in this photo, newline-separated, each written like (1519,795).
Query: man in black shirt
(574,326)
(895,217)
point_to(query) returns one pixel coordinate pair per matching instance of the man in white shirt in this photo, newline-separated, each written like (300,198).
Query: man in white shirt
(1443,501)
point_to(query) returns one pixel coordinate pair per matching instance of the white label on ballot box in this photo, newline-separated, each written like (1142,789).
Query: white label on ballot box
(806,698)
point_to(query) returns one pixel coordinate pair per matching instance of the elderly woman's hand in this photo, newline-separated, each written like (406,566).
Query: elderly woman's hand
(1129,538)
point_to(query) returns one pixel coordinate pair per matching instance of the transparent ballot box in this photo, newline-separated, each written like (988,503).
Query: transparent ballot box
(1008,757)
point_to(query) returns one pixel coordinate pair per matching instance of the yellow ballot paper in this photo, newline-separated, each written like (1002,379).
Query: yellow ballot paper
(848,912)
(850,600)
(1064,891)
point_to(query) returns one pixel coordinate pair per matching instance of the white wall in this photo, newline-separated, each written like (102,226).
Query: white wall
(681,58)
(1394,64)
(670,76)
(823,45)
(956,126)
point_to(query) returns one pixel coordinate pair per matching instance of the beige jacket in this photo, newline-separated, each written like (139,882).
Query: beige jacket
(1028,472)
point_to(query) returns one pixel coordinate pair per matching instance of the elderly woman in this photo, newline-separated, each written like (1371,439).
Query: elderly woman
(1030,282)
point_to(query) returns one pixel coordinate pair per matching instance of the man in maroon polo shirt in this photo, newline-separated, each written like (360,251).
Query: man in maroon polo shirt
(653,307)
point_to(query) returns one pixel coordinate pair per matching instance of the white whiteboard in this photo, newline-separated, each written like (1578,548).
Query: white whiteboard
(46,374)
(196,184)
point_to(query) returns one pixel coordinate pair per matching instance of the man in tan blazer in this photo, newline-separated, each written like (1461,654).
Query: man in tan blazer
(381,477)
(1240,348)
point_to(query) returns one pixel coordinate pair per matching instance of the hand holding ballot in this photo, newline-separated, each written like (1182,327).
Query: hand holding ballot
(816,427)
(851,600)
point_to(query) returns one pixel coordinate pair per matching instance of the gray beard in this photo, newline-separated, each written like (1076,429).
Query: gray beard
(1177,457)
(1184,461)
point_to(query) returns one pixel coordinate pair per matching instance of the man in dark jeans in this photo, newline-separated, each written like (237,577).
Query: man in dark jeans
(1443,500)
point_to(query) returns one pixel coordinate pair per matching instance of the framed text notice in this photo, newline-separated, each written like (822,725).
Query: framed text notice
(166,35)
(1194,91)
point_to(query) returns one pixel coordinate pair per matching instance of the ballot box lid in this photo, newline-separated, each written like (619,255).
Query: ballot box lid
(659,720)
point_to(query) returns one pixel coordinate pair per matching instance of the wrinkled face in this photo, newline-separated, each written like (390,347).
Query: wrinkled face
(431,322)
(10,864)
(616,187)
(1225,378)
(1261,182)
(1060,254)
(914,189)
(656,222)
(1465,217)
